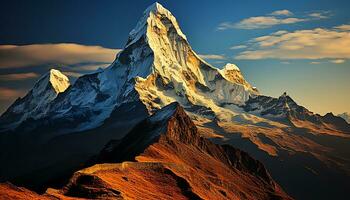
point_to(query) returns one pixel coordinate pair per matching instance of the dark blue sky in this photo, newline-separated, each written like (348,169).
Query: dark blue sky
(107,23)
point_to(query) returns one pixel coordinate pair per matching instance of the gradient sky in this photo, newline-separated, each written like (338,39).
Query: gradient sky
(298,46)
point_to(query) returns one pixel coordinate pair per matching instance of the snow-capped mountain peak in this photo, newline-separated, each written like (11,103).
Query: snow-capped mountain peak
(232,73)
(230,66)
(59,81)
(149,19)
(49,86)
(156,67)
(36,103)
(53,79)
(160,57)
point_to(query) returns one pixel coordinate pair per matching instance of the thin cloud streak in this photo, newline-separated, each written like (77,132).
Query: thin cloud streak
(238,47)
(18,76)
(212,57)
(344,27)
(338,61)
(13,56)
(282,12)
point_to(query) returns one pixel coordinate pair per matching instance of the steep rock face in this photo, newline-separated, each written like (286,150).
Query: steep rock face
(36,103)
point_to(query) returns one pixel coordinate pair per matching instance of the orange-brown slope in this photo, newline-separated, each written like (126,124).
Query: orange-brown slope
(174,162)
(9,191)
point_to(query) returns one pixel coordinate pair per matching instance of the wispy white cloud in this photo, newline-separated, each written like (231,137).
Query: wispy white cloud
(238,47)
(315,62)
(282,12)
(259,22)
(278,17)
(337,61)
(285,62)
(320,15)
(18,76)
(13,56)
(344,27)
(212,56)
(318,43)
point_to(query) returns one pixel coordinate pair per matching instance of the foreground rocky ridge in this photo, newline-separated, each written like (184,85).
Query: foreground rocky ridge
(169,160)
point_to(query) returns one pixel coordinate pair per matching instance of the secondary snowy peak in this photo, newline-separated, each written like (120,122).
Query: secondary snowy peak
(36,102)
(59,81)
(232,73)
(52,80)
(230,67)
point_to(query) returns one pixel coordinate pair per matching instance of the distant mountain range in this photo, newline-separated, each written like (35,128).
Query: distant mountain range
(189,150)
